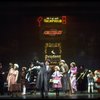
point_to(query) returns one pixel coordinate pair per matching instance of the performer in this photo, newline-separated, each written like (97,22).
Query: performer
(65,79)
(73,72)
(23,80)
(12,78)
(57,80)
(90,81)
(31,76)
(44,77)
(82,78)
(97,80)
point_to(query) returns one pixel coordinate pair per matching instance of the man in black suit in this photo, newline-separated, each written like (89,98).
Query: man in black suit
(43,77)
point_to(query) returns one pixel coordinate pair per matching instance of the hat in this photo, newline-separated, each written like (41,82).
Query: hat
(90,71)
(63,61)
(10,64)
(16,65)
(96,72)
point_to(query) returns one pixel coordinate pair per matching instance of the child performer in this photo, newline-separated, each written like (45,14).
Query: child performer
(57,80)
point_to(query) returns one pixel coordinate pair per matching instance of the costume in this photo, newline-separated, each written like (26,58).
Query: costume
(57,81)
(97,80)
(43,78)
(90,82)
(73,71)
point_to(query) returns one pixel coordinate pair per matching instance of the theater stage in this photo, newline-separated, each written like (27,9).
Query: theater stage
(52,95)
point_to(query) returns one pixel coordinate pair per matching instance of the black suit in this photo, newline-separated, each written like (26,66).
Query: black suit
(43,79)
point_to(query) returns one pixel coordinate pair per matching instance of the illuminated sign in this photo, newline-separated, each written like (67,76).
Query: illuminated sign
(62,20)
(53,52)
(53,32)
(52,27)
(39,20)
(52,20)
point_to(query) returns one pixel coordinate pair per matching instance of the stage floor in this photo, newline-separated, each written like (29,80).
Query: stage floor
(52,95)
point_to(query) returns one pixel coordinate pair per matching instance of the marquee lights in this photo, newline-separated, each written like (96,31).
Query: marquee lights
(62,20)
(52,20)
(39,20)
(55,20)
(54,58)
(53,32)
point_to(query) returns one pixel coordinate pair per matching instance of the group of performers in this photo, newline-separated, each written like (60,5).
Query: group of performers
(40,75)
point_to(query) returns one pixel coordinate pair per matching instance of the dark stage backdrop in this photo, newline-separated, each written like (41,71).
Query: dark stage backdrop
(20,38)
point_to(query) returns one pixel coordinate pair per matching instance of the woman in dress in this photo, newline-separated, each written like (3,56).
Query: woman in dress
(12,77)
(73,72)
